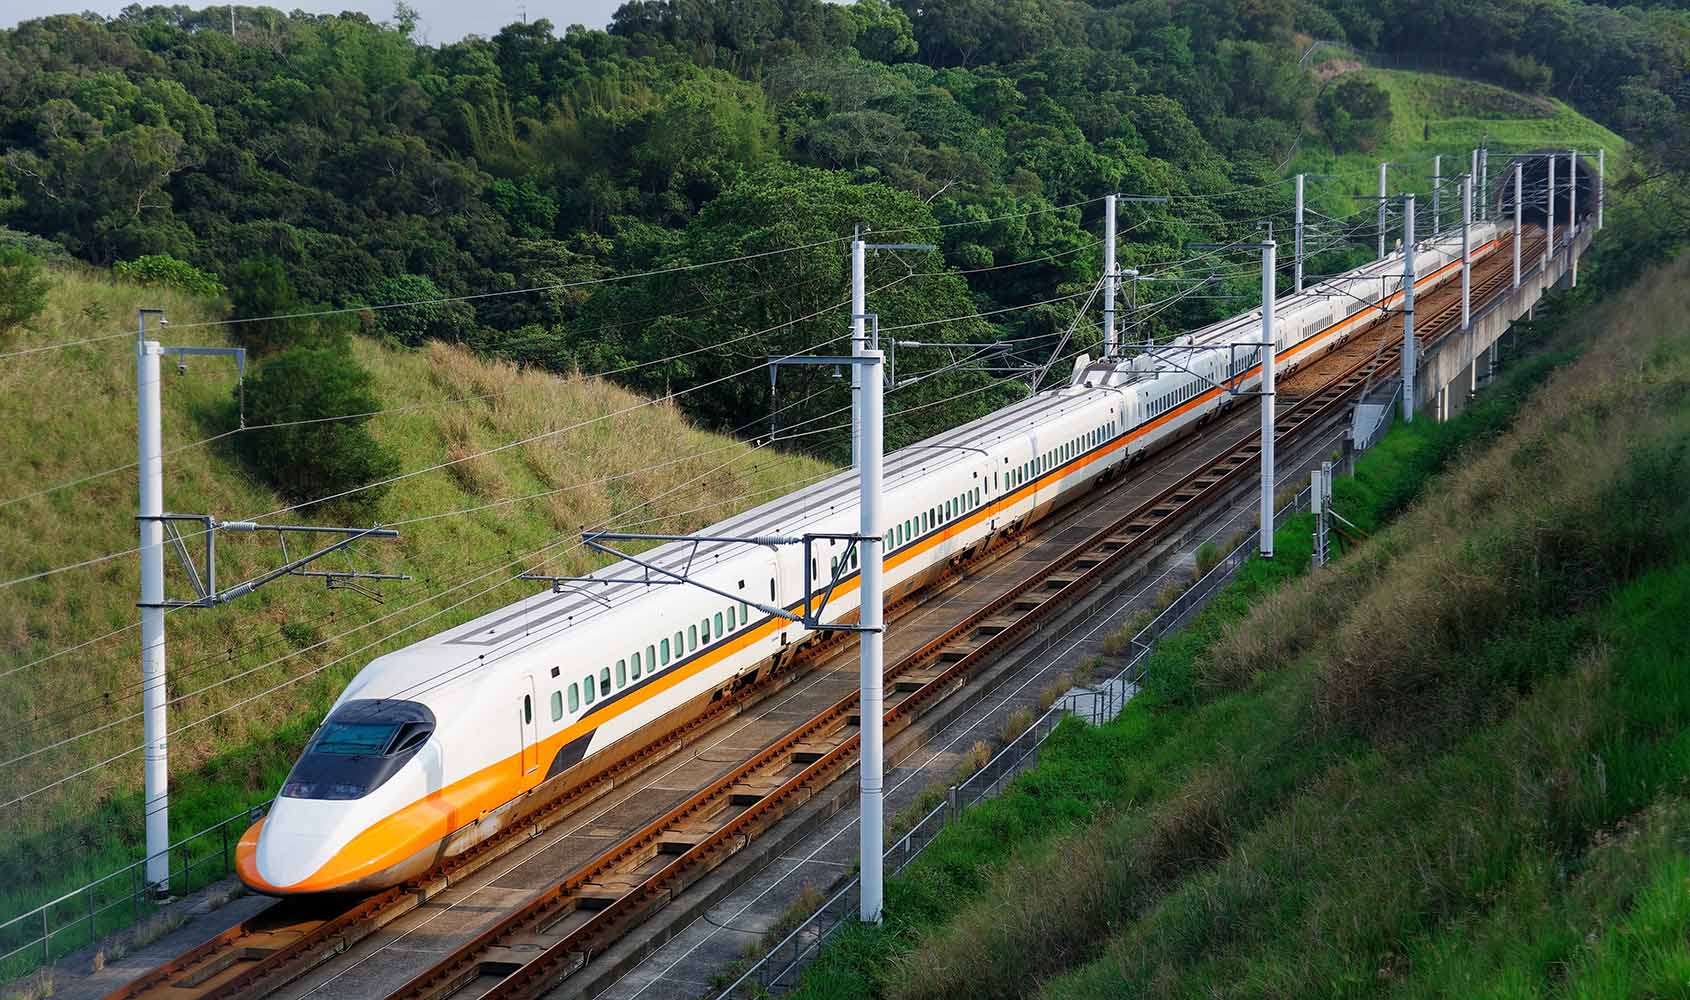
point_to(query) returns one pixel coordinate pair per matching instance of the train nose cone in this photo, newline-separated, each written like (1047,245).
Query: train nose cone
(281,853)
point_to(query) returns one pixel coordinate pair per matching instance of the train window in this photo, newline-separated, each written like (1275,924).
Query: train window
(771,597)
(574,697)
(680,646)
(557,705)
(650,661)
(907,530)
(590,689)
(718,624)
(731,624)
(604,681)
(950,509)
(633,669)
(527,709)
(621,674)
(704,631)
(833,571)
(692,637)
(744,613)
(663,649)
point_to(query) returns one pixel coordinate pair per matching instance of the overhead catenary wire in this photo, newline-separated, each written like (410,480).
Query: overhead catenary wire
(224,681)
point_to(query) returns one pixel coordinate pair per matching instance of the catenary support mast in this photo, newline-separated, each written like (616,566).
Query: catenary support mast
(1520,201)
(871,645)
(1297,283)
(1408,345)
(154,698)
(1384,179)
(1111,277)
(1466,251)
(1268,305)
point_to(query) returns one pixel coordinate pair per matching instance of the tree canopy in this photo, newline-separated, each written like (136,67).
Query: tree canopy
(343,159)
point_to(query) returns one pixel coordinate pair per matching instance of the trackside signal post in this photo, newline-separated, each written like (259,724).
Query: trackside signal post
(156,527)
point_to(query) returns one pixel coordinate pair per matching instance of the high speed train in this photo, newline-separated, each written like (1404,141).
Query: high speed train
(435,747)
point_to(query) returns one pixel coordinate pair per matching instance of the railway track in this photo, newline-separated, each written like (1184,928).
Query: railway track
(558,930)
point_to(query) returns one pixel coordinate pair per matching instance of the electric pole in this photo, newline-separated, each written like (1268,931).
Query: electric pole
(1408,345)
(1110,278)
(1466,251)
(150,517)
(1383,181)
(1298,271)
(1269,302)
(1437,194)
(1520,201)
(155,525)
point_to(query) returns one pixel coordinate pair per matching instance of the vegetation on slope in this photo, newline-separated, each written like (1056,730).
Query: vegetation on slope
(536,459)
(1470,782)
(371,168)
(1432,115)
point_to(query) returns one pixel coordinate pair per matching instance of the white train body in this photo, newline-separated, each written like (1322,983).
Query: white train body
(432,748)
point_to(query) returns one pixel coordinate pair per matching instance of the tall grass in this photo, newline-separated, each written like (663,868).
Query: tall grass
(67,413)
(1475,709)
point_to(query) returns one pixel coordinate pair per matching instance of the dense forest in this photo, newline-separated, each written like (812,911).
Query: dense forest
(311,162)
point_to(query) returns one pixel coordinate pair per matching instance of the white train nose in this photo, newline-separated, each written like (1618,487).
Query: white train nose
(295,844)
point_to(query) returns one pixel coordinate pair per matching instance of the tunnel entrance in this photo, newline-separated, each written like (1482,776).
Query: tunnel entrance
(1534,179)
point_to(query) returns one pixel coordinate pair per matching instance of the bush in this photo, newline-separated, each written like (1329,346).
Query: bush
(1355,113)
(23,288)
(262,294)
(319,459)
(429,319)
(165,271)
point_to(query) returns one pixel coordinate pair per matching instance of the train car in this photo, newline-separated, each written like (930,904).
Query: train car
(435,747)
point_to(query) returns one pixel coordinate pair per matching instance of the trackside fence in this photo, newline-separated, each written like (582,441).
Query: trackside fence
(79,918)
(778,971)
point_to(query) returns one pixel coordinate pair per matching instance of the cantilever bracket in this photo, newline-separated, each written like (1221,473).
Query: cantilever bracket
(811,610)
(206,594)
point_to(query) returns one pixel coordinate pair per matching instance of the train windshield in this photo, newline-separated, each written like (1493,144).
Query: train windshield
(358,748)
(344,737)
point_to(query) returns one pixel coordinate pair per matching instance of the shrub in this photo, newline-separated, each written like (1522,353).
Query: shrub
(163,270)
(261,294)
(429,319)
(318,459)
(1354,112)
(23,288)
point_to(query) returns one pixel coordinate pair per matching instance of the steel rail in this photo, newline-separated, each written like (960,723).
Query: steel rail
(311,940)
(529,952)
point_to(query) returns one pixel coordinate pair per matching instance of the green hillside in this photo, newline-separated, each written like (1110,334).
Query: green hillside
(247,669)
(1452,764)
(1459,114)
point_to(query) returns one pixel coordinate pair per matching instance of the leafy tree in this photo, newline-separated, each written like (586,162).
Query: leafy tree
(166,271)
(429,318)
(263,300)
(315,460)
(884,32)
(1355,112)
(23,288)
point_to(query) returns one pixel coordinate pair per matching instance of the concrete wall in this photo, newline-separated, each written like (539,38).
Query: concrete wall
(1447,373)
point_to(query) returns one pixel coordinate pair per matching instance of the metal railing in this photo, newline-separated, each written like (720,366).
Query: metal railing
(780,968)
(80,917)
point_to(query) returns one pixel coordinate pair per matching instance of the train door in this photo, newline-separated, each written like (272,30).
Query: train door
(530,742)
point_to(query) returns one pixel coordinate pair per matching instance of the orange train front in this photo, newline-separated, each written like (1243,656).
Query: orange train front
(433,747)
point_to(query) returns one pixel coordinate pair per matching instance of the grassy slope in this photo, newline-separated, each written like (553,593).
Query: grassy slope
(1471,786)
(1462,114)
(67,413)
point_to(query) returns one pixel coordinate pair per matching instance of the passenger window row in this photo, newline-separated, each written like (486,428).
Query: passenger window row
(1027,471)
(935,516)
(656,655)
